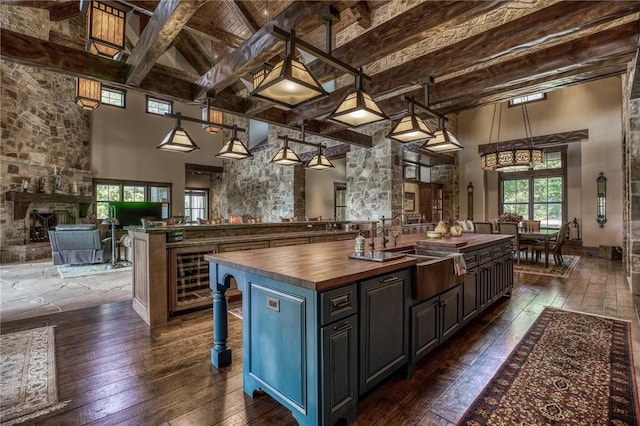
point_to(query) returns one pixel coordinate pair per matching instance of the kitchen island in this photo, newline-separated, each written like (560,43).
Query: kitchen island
(320,329)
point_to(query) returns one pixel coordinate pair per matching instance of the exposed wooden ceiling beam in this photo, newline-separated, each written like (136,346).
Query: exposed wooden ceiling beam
(257,49)
(166,23)
(513,37)
(65,10)
(362,14)
(190,49)
(539,141)
(242,14)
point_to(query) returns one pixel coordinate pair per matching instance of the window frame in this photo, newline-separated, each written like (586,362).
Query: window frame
(190,192)
(116,90)
(159,100)
(122,183)
(531,175)
(512,104)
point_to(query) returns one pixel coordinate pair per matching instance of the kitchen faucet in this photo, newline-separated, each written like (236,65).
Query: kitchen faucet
(383,238)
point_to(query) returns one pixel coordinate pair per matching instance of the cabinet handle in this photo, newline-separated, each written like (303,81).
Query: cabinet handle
(343,326)
(340,302)
(388,280)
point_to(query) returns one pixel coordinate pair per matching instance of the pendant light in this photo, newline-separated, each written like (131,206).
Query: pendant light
(319,161)
(234,149)
(410,128)
(285,155)
(178,140)
(289,82)
(105,30)
(212,116)
(358,107)
(88,93)
(443,140)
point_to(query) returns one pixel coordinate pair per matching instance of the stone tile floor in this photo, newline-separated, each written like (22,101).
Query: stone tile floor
(31,289)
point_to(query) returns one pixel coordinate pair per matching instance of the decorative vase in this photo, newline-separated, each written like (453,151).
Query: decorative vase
(456,231)
(442,228)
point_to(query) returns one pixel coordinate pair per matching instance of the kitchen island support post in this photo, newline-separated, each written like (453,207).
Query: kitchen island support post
(220,353)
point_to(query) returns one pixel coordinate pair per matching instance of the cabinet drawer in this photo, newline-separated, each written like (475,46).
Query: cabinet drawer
(485,255)
(471,259)
(339,303)
(223,248)
(321,238)
(289,242)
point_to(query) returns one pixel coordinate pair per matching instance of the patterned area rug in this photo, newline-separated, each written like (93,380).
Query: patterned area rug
(569,368)
(72,271)
(28,377)
(563,271)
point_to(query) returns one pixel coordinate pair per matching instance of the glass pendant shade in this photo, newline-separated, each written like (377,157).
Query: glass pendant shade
(319,162)
(410,129)
(443,141)
(178,140)
(213,116)
(105,30)
(234,149)
(88,93)
(286,156)
(289,83)
(357,109)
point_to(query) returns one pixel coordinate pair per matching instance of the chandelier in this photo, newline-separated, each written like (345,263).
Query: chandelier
(518,159)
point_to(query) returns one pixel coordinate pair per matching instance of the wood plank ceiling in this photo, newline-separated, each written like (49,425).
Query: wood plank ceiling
(508,49)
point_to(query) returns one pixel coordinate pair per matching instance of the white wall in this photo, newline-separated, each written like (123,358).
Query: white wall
(319,189)
(595,106)
(123,145)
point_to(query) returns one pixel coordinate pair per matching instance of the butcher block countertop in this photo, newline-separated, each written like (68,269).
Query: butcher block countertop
(323,266)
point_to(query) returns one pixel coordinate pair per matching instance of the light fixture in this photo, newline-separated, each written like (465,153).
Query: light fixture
(105,30)
(234,149)
(285,155)
(177,140)
(289,82)
(470,201)
(211,115)
(358,107)
(516,159)
(319,161)
(410,128)
(261,73)
(443,140)
(88,93)
(601,191)
(112,221)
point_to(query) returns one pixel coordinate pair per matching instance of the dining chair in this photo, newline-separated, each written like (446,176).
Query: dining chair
(482,227)
(511,228)
(555,246)
(531,226)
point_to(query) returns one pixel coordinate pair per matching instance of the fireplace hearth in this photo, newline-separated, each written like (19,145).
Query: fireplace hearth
(41,222)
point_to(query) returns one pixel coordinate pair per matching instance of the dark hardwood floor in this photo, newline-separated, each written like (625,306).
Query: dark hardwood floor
(114,370)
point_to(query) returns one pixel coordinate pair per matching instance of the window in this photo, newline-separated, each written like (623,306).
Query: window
(340,200)
(195,205)
(538,194)
(111,190)
(527,99)
(111,96)
(158,106)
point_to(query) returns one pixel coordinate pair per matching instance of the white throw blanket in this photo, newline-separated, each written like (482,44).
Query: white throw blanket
(459,265)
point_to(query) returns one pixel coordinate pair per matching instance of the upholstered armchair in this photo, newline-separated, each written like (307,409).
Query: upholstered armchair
(78,244)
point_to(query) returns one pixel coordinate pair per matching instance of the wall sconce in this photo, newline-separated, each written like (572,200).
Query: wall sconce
(88,93)
(601,183)
(105,30)
(470,201)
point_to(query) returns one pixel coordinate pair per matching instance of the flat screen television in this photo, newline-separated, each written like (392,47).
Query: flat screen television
(130,213)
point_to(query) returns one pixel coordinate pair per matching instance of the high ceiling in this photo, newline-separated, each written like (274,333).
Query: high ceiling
(477,52)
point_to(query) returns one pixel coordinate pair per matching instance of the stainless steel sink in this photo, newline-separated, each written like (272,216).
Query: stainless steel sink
(434,274)
(377,256)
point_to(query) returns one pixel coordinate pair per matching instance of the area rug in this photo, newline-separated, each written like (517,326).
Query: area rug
(73,271)
(562,271)
(570,368)
(28,376)
(236,312)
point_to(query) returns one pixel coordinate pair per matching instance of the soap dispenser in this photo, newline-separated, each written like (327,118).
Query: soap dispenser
(359,248)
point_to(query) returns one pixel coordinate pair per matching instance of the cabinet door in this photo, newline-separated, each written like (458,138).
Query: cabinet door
(339,369)
(484,286)
(424,328)
(189,274)
(451,313)
(470,295)
(383,328)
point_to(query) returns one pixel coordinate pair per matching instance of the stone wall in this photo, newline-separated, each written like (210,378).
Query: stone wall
(631,116)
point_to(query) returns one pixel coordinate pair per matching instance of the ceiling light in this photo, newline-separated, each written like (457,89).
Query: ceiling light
(261,73)
(319,161)
(211,115)
(234,149)
(88,93)
(358,108)
(285,155)
(289,82)
(105,30)
(178,140)
(410,128)
(443,140)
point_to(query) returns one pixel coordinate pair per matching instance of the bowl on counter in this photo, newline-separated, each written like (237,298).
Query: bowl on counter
(434,234)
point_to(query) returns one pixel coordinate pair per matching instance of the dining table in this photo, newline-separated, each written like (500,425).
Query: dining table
(544,236)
